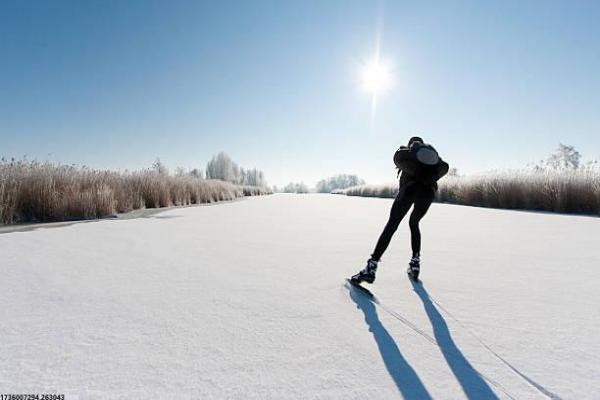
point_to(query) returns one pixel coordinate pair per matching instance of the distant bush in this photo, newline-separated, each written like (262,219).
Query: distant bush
(295,188)
(31,191)
(562,190)
(338,182)
(386,190)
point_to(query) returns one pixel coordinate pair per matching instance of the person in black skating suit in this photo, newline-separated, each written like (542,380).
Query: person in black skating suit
(420,167)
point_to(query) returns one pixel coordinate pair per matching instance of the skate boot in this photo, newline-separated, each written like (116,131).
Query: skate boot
(414,267)
(367,274)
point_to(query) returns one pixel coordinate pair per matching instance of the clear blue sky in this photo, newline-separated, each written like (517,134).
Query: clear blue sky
(115,84)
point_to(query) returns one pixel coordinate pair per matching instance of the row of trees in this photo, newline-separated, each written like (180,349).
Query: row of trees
(338,182)
(222,167)
(292,187)
(326,185)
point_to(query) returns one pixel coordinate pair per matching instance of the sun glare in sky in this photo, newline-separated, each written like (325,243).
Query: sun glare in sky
(376,77)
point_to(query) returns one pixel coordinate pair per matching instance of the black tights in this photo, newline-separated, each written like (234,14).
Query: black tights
(419,195)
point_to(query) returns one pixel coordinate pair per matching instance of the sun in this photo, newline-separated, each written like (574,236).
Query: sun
(376,77)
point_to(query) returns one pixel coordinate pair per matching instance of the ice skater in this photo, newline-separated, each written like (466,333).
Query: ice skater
(420,167)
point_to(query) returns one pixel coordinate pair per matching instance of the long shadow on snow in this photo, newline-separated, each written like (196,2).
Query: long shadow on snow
(470,380)
(405,377)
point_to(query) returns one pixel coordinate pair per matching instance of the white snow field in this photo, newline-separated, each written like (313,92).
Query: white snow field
(247,300)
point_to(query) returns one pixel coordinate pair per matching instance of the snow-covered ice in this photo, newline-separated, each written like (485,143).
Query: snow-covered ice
(248,300)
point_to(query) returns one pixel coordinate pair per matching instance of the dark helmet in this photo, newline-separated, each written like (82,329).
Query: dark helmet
(415,139)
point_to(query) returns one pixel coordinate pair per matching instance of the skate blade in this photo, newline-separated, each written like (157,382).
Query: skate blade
(357,285)
(413,278)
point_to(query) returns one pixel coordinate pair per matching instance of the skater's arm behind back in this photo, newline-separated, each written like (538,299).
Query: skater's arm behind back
(442,169)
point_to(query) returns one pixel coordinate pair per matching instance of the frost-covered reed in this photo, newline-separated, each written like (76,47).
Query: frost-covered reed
(31,191)
(564,191)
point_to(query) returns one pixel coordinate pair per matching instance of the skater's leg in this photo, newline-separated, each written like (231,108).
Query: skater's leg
(399,209)
(422,202)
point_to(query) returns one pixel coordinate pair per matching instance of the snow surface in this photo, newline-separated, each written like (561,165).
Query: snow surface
(248,300)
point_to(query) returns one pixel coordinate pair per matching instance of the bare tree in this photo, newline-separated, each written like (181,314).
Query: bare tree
(564,157)
(159,167)
(221,167)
